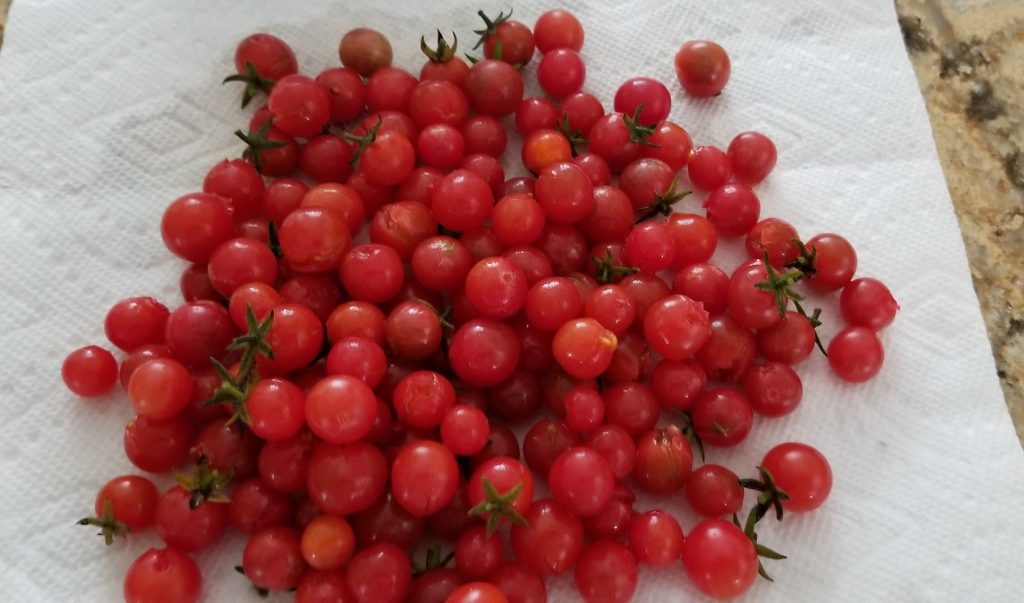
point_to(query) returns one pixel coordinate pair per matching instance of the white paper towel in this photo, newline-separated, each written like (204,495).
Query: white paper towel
(110,109)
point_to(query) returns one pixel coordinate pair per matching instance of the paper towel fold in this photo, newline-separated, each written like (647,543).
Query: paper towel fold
(111,109)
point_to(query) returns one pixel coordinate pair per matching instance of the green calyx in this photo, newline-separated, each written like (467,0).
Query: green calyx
(781,285)
(497,506)
(363,141)
(664,202)
(607,271)
(254,83)
(575,138)
(205,484)
(256,143)
(434,559)
(770,497)
(444,52)
(639,132)
(234,389)
(490,26)
(109,527)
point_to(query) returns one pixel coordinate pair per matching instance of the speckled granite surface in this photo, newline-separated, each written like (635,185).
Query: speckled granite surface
(969,60)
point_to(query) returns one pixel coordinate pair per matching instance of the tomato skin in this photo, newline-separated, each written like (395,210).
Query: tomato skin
(424,477)
(504,473)
(381,573)
(733,208)
(437,101)
(773,388)
(346,479)
(484,352)
(696,238)
(713,491)
(584,348)
(552,541)
(90,371)
(160,388)
(494,88)
(435,586)
(189,529)
(751,307)
(484,134)
(273,558)
(255,505)
(835,262)
(789,341)
(678,383)
(709,167)
(655,538)
(676,327)
(161,575)
(477,554)
(565,192)
(133,500)
(136,321)
(194,225)
(461,201)
(753,156)
(158,446)
(314,239)
(561,72)
(606,573)
(582,481)
(520,583)
(316,586)
(663,460)
(345,92)
(276,407)
(300,107)
(616,445)
(856,354)
(387,521)
(706,284)
(723,417)
(649,92)
(632,406)
(477,592)
(380,262)
(719,559)
(364,50)
(702,68)
(802,472)
(340,409)
(867,302)
(557,28)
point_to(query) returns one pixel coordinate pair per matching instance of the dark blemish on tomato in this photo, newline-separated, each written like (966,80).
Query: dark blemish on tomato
(984,106)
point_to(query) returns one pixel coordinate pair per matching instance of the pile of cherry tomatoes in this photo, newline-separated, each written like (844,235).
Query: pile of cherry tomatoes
(350,405)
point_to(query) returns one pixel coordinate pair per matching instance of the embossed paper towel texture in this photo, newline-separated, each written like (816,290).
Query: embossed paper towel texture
(111,109)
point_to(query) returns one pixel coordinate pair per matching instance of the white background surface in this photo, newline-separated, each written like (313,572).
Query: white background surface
(109,110)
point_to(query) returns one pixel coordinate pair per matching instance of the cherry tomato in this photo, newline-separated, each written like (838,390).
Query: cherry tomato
(461,201)
(372,272)
(520,583)
(713,491)
(273,558)
(702,68)
(677,383)
(89,372)
(835,262)
(752,155)
(160,388)
(582,481)
(706,284)
(856,354)
(438,101)
(561,72)
(671,144)
(424,477)
(364,50)
(328,543)
(709,167)
(239,261)
(381,573)
(650,247)
(269,55)
(189,528)
(789,341)
(774,389)
(695,237)
(323,587)
(801,472)
(515,40)
(752,307)
(195,224)
(552,539)
(255,505)
(132,500)
(606,573)
(484,352)
(484,134)
(340,409)
(650,93)
(158,446)
(558,28)
(719,559)
(722,417)
(494,88)
(296,336)
(867,302)
(356,319)
(162,575)
(610,138)
(733,209)
(345,92)
(632,406)
(584,348)
(663,460)
(342,480)
(477,553)
(655,538)
(616,445)
(300,107)
(676,327)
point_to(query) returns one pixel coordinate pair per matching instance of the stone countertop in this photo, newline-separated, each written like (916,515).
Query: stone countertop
(969,60)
